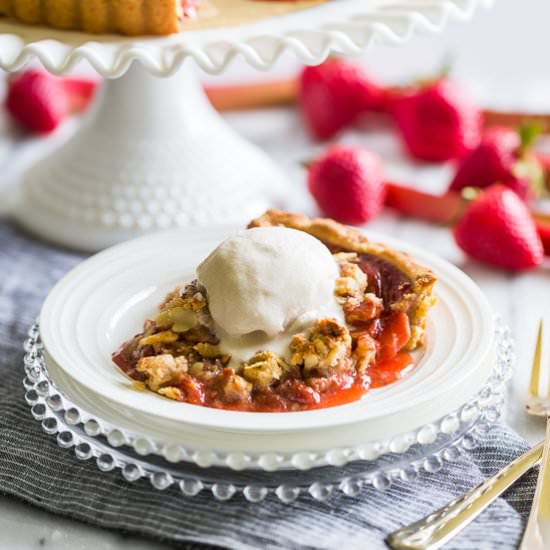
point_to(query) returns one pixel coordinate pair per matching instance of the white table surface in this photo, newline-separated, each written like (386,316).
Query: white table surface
(501,64)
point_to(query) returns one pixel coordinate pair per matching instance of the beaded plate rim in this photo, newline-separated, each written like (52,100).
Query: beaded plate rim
(93,438)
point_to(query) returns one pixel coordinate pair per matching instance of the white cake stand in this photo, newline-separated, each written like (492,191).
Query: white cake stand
(153,153)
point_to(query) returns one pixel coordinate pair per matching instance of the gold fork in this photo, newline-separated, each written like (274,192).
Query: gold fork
(439,527)
(537,532)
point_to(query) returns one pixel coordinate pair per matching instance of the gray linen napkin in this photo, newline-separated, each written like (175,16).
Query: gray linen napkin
(34,469)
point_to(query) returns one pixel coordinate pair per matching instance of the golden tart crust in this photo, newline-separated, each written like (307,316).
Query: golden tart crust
(131,17)
(416,301)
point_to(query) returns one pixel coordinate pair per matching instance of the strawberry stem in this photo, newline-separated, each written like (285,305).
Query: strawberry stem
(528,132)
(471,193)
(443,73)
(446,65)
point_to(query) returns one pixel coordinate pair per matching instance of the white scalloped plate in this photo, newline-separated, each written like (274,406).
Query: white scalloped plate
(343,26)
(105,299)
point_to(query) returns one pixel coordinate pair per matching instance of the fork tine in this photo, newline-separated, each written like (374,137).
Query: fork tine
(548,390)
(535,369)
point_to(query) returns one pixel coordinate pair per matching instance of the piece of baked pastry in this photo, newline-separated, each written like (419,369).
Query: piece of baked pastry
(380,301)
(131,17)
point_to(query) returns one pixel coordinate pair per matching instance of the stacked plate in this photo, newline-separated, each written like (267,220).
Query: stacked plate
(78,394)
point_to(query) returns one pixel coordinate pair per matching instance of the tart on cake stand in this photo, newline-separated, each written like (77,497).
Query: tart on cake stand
(152,153)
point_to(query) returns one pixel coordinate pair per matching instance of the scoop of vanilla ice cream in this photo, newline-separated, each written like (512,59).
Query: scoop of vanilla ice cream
(267,279)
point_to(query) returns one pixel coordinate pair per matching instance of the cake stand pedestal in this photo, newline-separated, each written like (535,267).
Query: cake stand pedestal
(152,153)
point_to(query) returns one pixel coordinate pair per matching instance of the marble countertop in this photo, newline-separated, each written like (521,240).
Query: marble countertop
(520,300)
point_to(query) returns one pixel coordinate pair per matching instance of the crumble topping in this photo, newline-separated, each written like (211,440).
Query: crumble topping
(162,370)
(172,392)
(264,369)
(352,282)
(234,387)
(324,348)
(359,305)
(366,349)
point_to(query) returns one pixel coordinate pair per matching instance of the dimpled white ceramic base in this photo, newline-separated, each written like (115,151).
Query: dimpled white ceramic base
(152,154)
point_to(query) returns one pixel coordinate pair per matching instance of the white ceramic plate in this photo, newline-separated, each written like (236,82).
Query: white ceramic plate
(104,301)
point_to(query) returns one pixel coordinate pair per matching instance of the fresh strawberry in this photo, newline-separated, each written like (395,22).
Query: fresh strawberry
(498,229)
(80,91)
(437,122)
(503,156)
(39,101)
(347,184)
(332,96)
(543,229)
